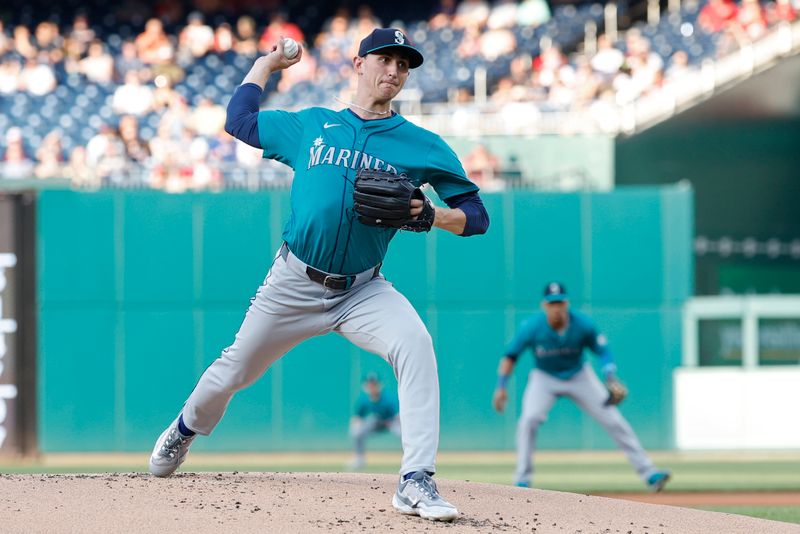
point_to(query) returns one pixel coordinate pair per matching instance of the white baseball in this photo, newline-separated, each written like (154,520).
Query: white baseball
(290,48)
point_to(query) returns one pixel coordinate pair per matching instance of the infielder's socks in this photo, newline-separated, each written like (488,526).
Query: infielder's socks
(183,429)
(411,474)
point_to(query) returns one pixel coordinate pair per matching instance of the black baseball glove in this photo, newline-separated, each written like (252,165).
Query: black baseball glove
(381,198)
(616,392)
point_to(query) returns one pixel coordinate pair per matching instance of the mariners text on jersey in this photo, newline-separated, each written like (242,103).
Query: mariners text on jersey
(326,148)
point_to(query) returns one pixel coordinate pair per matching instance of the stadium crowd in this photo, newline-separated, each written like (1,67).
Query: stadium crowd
(149,109)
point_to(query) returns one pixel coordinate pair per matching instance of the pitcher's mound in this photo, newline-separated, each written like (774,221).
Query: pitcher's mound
(322,502)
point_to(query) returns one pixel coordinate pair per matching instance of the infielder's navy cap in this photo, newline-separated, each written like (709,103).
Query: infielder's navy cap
(555,292)
(371,377)
(382,38)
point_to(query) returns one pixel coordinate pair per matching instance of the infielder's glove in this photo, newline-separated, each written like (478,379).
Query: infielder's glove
(616,392)
(381,198)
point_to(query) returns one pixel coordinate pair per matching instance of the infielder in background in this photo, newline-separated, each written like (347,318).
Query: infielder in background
(375,412)
(557,338)
(326,276)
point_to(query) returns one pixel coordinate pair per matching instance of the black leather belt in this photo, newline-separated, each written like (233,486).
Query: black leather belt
(330,281)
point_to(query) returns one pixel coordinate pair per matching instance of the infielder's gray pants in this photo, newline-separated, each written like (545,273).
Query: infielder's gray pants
(289,308)
(590,394)
(372,425)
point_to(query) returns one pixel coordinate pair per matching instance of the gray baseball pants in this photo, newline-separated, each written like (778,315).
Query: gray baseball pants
(372,425)
(585,389)
(289,308)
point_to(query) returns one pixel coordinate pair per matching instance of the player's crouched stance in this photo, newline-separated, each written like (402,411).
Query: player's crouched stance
(357,178)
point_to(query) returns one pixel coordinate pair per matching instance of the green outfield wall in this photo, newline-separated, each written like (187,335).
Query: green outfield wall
(139,291)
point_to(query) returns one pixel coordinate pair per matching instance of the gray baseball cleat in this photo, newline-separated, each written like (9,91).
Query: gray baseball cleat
(418,496)
(170,451)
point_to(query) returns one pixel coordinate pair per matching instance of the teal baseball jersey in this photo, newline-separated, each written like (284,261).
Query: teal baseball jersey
(384,408)
(326,148)
(559,354)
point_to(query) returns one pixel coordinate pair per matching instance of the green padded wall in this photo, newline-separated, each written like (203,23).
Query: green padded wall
(139,291)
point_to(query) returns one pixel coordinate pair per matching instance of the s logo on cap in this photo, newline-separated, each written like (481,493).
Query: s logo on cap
(399,38)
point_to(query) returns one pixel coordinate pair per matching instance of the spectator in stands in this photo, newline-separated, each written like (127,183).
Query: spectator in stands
(222,150)
(175,119)
(10,69)
(50,157)
(585,82)
(132,97)
(278,27)
(128,61)
(112,166)
(224,41)
(503,15)
(196,39)
(15,163)
(496,43)
(442,15)
(470,44)
(98,65)
(48,39)
(533,13)
(645,65)
(136,149)
(305,71)
(37,76)
(333,64)
(778,11)
(22,42)
(203,174)
(207,118)
(153,45)
(678,66)
(752,19)
(364,23)
(164,147)
(508,91)
(78,172)
(246,43)
(337,35)
(547,65)
(6,44)
(607,61)
(96,146)
(483,168)
(471,13)
(716,15)
(81,33)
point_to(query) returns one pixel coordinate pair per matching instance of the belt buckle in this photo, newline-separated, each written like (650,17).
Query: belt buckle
(330,281)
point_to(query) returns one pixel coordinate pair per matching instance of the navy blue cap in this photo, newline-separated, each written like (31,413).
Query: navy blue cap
(372,377)
(555,292)
(382,38)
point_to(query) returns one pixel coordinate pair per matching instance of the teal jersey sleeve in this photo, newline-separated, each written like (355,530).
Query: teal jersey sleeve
(279,133)
(596,342)
(445,172)
(523,339)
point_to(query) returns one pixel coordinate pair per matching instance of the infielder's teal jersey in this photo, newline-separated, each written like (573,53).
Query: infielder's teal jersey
(326,148)
(560,355)
(384,408)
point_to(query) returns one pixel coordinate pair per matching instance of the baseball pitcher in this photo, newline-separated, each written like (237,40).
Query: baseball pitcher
(357,178)
(557,337)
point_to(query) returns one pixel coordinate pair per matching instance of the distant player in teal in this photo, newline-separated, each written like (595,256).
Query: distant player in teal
(557,338)
(375,412)
(326,276)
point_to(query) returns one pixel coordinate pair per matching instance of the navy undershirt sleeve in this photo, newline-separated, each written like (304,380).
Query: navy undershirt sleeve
(472,206)
(242,119)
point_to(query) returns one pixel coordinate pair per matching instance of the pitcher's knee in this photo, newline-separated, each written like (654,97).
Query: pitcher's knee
(527,424)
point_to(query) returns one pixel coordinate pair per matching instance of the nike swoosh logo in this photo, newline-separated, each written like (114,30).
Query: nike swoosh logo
(326,125)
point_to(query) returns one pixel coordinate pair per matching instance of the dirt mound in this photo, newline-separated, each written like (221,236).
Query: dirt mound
(317,502)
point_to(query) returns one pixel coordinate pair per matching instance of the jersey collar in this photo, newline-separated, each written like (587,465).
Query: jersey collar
(373,124)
